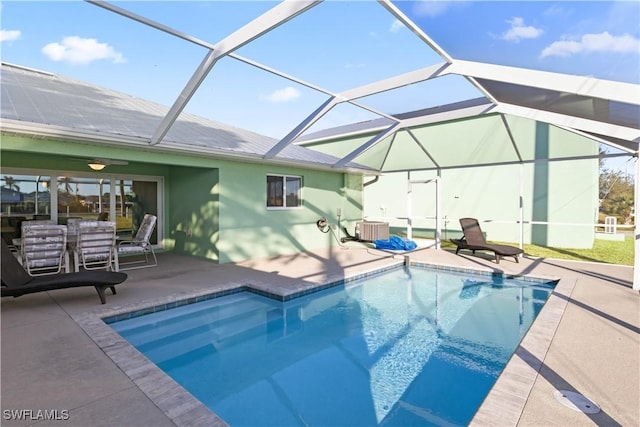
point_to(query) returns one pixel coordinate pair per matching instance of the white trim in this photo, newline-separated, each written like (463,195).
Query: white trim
(400,16)
(570,122)
(301,128)
(438,202)
(580,85)
(261,25)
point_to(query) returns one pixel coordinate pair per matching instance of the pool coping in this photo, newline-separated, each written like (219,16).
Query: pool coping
(505,400)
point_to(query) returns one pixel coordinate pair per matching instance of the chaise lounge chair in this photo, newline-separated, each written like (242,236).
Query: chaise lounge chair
(473,240)
(16,281)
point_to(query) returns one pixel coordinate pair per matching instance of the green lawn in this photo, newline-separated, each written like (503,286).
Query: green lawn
(603,251)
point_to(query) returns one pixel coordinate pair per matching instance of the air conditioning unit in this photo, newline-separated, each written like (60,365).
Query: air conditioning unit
(372,230)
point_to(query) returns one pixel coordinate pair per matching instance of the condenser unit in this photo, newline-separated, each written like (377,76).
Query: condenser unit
(372,230)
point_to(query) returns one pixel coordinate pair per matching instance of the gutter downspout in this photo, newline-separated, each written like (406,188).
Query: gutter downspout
(374,180)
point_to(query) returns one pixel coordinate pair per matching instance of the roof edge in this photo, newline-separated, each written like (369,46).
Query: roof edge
(43,131)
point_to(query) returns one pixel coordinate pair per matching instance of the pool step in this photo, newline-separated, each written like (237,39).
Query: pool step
(138,330)
(215,324)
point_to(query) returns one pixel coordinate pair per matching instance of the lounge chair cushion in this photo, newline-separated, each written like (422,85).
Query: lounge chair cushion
(63,281)
(12,276)
(504,250)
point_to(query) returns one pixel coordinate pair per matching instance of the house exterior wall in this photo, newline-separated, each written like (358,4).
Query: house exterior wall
(492,194)
(248,229)
(213,208)
(468,152)
(562,192)
(193,217)
(220,213)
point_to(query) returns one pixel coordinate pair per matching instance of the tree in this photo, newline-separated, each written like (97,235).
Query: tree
(616,194)
(66,184)
(10,183)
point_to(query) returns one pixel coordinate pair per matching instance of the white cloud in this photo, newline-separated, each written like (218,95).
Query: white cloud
(77,50)
(556,10)
(283,95)
(396,26)
(9,35)
(603,42)
(519,31)
(432,8)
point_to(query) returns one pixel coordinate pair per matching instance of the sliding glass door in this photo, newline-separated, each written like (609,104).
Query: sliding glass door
(58,196)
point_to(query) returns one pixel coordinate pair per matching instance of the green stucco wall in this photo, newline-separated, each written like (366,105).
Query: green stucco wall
(249,230)
(220,213)
(492,194)
(562,192)
(213,208)
(194,211)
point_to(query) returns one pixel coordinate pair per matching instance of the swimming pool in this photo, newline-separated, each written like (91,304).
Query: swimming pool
(406,347)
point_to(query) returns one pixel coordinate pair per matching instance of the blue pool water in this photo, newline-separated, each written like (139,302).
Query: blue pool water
(406,347)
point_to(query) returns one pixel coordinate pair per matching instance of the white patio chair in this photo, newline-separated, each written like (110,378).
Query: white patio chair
(72,233)
(43,249)
(95,246)
(72,227)
(40,222)
(140,245)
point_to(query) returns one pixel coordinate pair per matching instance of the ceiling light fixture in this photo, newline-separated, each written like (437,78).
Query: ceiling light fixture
(97,166)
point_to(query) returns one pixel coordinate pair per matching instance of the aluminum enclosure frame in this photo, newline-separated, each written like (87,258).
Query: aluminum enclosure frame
(607,130)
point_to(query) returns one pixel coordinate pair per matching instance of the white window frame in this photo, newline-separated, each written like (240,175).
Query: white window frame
(284,192)
(54,174)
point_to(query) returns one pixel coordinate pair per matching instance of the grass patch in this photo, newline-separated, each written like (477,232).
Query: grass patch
(607,251)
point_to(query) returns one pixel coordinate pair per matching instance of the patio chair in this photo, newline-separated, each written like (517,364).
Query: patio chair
(74,223)
(72,228)
(95,246)
(17,282)
(140,245)
(474,240)
(43,248)
(38,222)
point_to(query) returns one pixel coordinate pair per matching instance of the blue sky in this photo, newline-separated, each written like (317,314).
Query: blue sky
(336,45)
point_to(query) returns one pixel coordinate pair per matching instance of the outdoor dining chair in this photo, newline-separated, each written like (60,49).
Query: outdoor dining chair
(43,248)
(72,228)
(95,246)
(140,245)
(72,235)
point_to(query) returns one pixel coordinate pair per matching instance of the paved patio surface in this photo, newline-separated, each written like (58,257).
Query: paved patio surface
(54,358)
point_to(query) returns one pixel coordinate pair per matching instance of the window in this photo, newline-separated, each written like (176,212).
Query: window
(25,196)
(60,195)
(284,191)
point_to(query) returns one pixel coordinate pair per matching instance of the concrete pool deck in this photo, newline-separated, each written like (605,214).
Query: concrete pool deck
(50,359)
